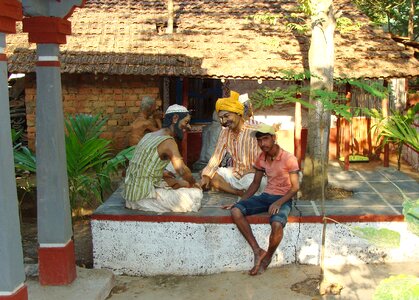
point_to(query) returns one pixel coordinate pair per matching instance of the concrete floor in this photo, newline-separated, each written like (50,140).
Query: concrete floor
(359,282)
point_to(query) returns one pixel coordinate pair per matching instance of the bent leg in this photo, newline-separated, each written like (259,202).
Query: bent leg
(245,229)
(220,184)
(277,232)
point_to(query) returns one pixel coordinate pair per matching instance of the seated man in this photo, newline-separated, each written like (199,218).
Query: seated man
(281,168)
(145,188)
(236,140)
(149,120)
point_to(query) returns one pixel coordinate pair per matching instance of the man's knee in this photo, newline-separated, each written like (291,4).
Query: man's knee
(277,227)
(236,213)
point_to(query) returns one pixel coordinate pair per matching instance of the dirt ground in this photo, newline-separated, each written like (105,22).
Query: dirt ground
(82,232)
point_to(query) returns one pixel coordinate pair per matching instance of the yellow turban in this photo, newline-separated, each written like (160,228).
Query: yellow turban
(231,104)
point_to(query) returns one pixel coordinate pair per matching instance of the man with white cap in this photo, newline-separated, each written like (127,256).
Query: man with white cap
(145,186)
(281,168)
(234,139)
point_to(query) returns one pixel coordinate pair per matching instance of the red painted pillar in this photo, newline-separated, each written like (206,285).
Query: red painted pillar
(56,248)
(12,274)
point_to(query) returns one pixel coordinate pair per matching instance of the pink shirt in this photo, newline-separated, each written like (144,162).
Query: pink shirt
(278,171)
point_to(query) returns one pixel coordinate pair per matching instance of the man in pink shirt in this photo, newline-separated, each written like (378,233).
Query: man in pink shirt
(281,168)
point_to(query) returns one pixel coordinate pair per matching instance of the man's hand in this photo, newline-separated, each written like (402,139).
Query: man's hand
(196,185)
(230,206)
(274,208)
(168,174)
(205,182)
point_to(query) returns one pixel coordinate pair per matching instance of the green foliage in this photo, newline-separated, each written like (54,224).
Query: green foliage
(345,25)
(411,214)
(89,159)
(300,28)
(397,129)
(400,287)
(85,127)
(16,135)
(266,18)
(305,7)
(90,163)
(382,237)
(391,14)
(330,100)
(375,89)
(24,159)
(266,97)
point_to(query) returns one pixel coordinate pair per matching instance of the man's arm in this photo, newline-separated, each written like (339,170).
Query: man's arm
(168,149)
(151,126)
(295,186)
(253,187)
(217,156)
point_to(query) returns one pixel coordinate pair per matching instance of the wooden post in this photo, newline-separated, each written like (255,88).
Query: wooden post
(347,133)
(384,107)
(338,128)
(369,139)
(297,130)
(185,103)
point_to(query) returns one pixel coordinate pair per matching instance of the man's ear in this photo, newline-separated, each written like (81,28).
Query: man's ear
(175,118)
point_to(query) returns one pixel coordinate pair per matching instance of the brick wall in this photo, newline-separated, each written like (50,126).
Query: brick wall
(116,97)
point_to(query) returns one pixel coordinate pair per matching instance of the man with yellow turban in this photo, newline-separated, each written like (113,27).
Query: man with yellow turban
(236,139)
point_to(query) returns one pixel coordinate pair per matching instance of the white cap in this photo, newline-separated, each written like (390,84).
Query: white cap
(176,108)
(243,98)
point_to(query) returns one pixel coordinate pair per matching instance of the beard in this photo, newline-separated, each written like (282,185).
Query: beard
(178,131)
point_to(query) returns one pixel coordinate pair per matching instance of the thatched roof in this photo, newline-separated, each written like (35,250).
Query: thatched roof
(214,38)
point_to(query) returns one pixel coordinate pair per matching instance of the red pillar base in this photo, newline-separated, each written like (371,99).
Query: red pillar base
(57,265)
(20,294)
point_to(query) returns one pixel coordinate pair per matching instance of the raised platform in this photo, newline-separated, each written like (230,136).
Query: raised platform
(143,243)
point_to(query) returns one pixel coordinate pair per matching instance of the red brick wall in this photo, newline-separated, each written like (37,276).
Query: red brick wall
(117,97)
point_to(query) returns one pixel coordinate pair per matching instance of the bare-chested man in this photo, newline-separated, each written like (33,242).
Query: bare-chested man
(149,120)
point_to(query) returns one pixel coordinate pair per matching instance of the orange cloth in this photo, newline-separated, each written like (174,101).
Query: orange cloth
(230,104)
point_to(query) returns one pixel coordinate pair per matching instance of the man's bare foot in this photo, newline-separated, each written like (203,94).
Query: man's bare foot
(259,256)
(264,264)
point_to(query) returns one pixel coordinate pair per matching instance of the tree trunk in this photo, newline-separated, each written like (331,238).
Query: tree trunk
(170,18)
(411,24)
(321,62)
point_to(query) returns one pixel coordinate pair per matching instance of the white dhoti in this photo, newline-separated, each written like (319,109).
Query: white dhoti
(242,183)
(169,200)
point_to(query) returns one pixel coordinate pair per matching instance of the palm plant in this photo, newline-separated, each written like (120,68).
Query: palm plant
(397,129)
(90,162)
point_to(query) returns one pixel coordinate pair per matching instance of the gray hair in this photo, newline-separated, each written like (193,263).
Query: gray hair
(146,103)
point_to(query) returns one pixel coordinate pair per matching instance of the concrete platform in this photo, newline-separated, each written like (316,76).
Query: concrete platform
(143,243)
(90,284)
